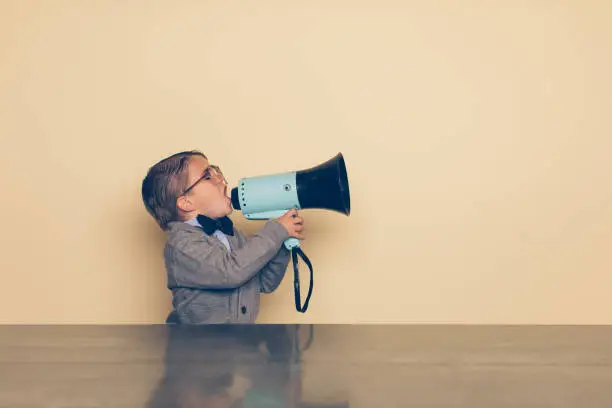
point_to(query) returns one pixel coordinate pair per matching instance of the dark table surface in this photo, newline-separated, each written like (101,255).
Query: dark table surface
(306,366)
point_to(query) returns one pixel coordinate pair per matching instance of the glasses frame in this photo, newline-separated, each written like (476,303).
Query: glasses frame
(210,172)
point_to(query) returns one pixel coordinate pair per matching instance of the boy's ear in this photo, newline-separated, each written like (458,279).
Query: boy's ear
(183,203)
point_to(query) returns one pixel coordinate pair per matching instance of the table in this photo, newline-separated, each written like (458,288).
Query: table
(305,366)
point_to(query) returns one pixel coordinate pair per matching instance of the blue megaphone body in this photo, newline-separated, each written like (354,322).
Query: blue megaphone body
(324,186)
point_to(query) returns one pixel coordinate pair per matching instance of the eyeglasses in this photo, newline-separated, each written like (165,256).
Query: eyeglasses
(210,172)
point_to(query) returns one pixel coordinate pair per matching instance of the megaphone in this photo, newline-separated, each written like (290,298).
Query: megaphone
(321,187)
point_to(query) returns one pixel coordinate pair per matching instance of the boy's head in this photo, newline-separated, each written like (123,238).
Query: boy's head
(184,185)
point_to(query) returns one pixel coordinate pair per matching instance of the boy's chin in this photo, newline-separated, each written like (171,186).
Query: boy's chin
(220,214)
(228,211)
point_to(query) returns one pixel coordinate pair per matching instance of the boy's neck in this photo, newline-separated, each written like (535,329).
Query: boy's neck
(189,217)
(195,216)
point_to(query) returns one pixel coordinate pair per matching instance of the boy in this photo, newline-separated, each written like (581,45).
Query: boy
(215,272)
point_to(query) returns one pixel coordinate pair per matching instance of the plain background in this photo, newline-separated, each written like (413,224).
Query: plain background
(477,137)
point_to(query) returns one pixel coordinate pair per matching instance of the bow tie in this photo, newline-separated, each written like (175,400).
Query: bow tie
(209,225)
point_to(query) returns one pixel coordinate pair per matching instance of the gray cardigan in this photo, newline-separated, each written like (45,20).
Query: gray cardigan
(211,285)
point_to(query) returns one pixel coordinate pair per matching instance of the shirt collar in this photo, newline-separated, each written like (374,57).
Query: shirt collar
(194,222)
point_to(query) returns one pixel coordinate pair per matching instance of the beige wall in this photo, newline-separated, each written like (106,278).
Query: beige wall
(477,138)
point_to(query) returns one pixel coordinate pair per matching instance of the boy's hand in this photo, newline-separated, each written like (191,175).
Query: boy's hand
(293,223)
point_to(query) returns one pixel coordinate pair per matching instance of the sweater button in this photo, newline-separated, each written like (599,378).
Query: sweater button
(243,309)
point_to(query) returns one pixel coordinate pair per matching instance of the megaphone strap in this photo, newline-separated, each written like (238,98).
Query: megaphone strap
(296,278)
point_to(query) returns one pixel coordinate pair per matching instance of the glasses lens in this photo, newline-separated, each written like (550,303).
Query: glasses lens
(215,171)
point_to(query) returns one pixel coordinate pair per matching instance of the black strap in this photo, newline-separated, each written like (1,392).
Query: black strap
(296,278)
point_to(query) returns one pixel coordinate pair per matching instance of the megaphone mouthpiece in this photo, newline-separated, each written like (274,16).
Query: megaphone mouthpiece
(235,200)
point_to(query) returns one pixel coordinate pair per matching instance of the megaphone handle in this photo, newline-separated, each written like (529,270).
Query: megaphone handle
(291,243)
(296,279)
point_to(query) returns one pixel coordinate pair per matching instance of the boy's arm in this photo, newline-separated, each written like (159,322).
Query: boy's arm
(274,272)
(197,264)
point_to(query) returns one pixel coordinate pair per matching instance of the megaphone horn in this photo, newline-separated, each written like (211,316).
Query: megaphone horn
(325,186)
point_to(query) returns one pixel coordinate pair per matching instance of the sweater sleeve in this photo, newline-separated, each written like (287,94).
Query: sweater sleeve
(273,273)
(194,263)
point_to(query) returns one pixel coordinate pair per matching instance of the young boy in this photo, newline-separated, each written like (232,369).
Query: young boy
(215,272)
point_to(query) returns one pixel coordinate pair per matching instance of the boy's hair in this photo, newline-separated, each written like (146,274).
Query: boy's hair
(164,183)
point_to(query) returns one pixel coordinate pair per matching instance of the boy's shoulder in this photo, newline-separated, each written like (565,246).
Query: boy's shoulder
(188,243)
(179,231)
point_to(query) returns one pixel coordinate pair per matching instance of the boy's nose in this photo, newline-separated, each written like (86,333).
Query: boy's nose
(220,178)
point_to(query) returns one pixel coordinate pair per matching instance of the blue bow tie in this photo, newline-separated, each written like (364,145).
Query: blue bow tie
(210,225)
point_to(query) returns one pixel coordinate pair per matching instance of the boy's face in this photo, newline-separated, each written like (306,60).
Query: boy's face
(206,191)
